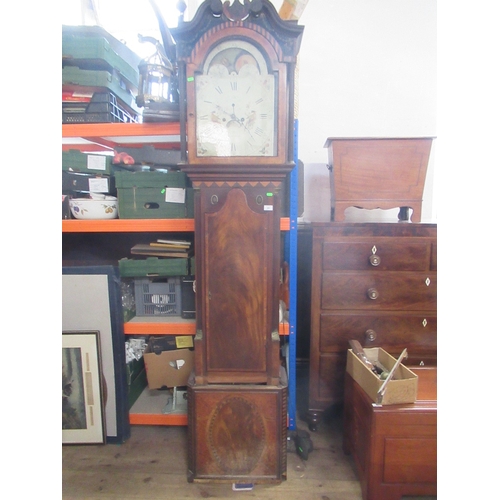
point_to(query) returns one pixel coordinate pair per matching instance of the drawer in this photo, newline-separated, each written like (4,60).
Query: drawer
(393,332)
(377,254)
(381,291)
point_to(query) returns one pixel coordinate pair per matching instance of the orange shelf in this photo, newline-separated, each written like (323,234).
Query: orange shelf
(157,419)
(171,326)
(138,225)
(159,326)
(106,136)
(127,225)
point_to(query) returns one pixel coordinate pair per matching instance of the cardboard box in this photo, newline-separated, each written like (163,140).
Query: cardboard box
(168,368)
(170,343)
(399,391)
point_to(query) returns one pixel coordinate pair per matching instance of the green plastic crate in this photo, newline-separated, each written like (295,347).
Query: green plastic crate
(143,195)
(95,53)
(76,161)
(153,266)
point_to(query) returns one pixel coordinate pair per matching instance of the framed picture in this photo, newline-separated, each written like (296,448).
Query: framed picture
(92,301)
(82,389)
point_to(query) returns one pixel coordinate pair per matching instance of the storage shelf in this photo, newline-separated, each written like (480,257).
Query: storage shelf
(127,225)
(147,410)
(154,325)
(106,136)
(138,225)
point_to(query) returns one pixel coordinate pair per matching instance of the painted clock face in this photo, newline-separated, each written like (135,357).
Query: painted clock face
(235,103)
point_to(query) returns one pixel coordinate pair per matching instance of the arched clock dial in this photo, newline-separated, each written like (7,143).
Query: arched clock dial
(235,103)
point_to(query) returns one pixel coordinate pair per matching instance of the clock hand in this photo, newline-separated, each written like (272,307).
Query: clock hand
(232,115)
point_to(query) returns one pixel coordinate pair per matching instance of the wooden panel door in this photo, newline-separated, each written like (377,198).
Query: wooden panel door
(239,259)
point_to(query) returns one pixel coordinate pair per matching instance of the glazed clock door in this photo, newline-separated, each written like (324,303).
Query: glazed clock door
(240,270)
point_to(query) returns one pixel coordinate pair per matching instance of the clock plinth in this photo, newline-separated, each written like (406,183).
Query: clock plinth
(237,433)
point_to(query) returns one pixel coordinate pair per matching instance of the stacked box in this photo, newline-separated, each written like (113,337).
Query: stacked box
(153,266)
(85,163)
(100,77)
(95,53)
(153,195)
(168,368)
(86,173)
(96,107)
(158,298)
(74,78)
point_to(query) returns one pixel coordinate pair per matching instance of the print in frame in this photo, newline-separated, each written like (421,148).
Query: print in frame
(82,389)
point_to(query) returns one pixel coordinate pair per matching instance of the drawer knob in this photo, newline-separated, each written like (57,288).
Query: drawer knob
(372,293)
(374,260)
(370,335)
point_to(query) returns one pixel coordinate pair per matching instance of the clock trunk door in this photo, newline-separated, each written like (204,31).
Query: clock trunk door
(241,266)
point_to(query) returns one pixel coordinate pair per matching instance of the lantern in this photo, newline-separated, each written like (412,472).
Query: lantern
(158,90)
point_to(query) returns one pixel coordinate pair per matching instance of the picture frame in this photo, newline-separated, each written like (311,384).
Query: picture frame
(82,389)
(91,300)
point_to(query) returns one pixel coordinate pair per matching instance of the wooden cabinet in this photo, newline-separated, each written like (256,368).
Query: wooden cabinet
(376,283)
(378,173)
(394,447)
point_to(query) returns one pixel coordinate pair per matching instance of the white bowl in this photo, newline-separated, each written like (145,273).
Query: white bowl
(86,208)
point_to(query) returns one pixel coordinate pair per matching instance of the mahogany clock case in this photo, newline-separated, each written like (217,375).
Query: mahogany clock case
(236,65)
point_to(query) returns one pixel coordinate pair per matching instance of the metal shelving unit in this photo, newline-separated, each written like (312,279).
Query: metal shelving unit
(104,137)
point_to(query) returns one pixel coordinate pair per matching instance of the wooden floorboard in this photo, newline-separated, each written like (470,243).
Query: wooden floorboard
(152,465)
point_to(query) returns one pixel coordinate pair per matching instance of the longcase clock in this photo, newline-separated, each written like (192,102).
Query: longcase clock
(237,63)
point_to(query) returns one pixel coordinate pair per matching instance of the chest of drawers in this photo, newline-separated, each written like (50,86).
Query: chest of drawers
(376,283)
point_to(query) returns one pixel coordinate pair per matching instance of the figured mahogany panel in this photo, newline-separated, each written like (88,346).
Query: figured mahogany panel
(238,261)
(237,433)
